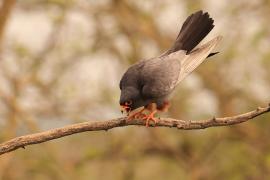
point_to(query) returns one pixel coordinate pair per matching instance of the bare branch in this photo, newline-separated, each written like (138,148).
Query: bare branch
(21,142)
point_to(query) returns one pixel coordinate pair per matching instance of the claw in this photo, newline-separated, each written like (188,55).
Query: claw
(149,118)
(136,115)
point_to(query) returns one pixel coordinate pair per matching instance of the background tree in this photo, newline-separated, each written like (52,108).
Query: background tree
(61,62)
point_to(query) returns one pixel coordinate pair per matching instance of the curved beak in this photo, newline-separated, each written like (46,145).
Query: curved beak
(125,108)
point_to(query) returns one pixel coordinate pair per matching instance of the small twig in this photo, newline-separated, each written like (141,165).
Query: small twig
(22,141)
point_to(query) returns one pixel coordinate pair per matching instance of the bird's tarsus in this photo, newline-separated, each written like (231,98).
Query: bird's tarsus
(150,117)
(136,115)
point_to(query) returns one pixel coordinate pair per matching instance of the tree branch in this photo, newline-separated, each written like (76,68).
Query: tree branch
(22,141)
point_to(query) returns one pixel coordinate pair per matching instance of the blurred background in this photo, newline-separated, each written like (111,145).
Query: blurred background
(61,62)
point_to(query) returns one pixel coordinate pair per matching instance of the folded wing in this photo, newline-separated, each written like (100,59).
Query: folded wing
(191,61)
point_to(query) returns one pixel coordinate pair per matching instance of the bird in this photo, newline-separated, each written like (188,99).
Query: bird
(150,82)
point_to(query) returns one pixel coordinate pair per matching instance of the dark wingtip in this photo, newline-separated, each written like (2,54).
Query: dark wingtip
(193,31)
(212,54)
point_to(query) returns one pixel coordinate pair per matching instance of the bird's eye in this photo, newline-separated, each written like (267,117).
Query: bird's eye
(128,103)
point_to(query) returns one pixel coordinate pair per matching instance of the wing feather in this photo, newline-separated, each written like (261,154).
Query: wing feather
(196,57)
(159,76)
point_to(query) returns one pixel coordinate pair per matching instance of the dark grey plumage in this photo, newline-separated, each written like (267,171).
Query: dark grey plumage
(193,30)
(151,81)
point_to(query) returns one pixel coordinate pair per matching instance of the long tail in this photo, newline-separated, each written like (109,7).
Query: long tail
(196,57)
(194,29)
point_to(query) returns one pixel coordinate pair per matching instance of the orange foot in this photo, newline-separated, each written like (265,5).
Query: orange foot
(136,115)
(149,118)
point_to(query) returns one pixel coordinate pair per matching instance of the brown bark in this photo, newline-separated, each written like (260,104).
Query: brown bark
(22,141)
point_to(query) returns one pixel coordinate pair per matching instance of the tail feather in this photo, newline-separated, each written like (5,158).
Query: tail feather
(196,57)
(193,30)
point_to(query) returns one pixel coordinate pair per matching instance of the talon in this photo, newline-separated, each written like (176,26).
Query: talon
(136,115)
(149,118)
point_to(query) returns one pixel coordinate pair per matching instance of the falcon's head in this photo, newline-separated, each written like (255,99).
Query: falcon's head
(128,99)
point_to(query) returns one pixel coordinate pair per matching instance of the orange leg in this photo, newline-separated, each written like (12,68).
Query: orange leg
(165,107)
(150,117)
(136,115)
(153,110)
